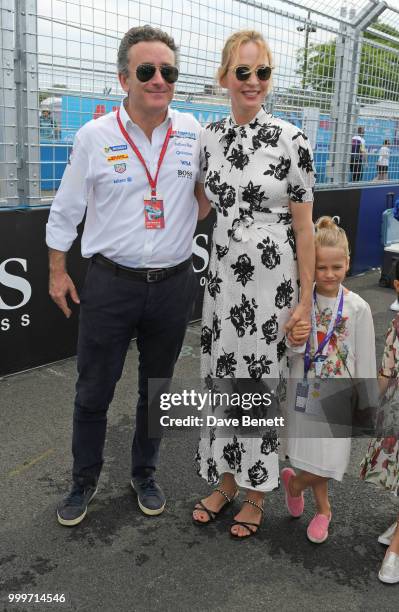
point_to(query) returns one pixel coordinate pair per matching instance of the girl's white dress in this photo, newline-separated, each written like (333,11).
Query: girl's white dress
(353,343)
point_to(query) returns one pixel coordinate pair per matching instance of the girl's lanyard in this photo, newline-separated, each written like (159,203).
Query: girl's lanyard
(321,350)
(153,206)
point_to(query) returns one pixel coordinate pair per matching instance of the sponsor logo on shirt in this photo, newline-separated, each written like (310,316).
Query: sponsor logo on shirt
(120,168)
(185,162)
(184,153)
(183,144)
(184,134)
(185,174)
(121,147)
(114,158)
(128,179)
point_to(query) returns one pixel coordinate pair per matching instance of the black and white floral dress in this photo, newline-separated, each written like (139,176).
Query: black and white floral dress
(250,173)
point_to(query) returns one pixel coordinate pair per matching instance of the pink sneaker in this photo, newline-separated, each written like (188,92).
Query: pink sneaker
(295,505)
(317,531)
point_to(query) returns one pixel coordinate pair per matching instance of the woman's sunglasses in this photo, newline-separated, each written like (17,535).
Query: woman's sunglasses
(145,72)
(243,73)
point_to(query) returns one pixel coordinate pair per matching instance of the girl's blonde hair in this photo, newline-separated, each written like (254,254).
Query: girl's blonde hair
(233,44)
(329,234)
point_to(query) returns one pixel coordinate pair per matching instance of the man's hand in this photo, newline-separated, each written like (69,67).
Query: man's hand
(60,283)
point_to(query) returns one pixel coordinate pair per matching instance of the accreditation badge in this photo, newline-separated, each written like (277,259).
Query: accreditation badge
(308,397)
(313,402)
(302,392)
(318,364)
(154,212)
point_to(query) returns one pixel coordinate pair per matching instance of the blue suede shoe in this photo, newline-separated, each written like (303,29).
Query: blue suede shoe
(72,510)
(150,496)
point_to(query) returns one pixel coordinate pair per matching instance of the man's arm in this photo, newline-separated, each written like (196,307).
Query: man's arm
(204,206)
(60,283)
(67,211)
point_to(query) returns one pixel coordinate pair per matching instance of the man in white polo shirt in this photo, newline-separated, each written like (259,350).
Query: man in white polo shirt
(133,172)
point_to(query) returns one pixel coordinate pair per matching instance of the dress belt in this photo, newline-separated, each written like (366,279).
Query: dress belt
(147,275)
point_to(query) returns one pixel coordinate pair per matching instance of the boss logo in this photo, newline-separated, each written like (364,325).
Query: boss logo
(15,282)
(19,283)
(201,251)
(185,174)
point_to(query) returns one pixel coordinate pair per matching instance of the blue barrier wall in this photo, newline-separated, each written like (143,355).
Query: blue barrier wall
(53,159)
(368,248)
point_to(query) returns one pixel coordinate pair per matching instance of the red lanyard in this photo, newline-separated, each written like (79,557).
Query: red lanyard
(152,182)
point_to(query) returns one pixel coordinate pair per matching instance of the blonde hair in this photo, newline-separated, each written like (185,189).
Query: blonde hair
(329,234)
(233,44)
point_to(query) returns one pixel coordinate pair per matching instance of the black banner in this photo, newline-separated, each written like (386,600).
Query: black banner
(33,331)
(343,205)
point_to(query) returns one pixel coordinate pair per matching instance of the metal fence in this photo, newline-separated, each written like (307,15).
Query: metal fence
(336,71)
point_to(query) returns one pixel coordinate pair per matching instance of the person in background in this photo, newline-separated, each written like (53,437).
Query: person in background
(383,161)
(358,155)
(48,126)
(380,466)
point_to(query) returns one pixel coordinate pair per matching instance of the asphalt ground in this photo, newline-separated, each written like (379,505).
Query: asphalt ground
(120,560)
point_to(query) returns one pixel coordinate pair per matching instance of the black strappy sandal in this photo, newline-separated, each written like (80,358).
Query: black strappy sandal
(211,513)
(246,524)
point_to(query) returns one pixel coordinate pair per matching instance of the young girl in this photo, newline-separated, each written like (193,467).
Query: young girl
(341,345)
(381,463)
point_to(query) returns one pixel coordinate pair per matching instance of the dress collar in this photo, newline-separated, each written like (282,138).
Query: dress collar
(232,128)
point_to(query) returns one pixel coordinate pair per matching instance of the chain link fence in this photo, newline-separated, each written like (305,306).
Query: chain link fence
(336,76)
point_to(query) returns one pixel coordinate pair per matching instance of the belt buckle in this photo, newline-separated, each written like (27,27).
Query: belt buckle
(154,276)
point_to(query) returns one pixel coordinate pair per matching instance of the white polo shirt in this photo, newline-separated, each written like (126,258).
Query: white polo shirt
(105,176)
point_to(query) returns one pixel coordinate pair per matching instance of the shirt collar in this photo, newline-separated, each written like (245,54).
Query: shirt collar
(127,121)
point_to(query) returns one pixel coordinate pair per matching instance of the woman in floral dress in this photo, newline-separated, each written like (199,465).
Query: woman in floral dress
(258,174)
(381,463)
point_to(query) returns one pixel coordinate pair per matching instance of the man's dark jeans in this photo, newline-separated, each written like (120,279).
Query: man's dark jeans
(111,309)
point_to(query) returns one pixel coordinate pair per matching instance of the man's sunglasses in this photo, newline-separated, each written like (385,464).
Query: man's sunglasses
(243,73)
(145,72)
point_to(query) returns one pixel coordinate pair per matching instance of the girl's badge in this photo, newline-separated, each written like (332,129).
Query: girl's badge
(302,392)
(154,212)
(318,364)
(313,403)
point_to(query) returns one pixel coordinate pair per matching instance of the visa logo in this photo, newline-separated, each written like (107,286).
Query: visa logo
(185,162)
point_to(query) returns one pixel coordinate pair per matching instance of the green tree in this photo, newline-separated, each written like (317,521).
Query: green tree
(379,68)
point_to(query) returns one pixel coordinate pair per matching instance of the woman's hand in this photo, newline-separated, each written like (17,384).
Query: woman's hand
(300,332)
(300,320)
